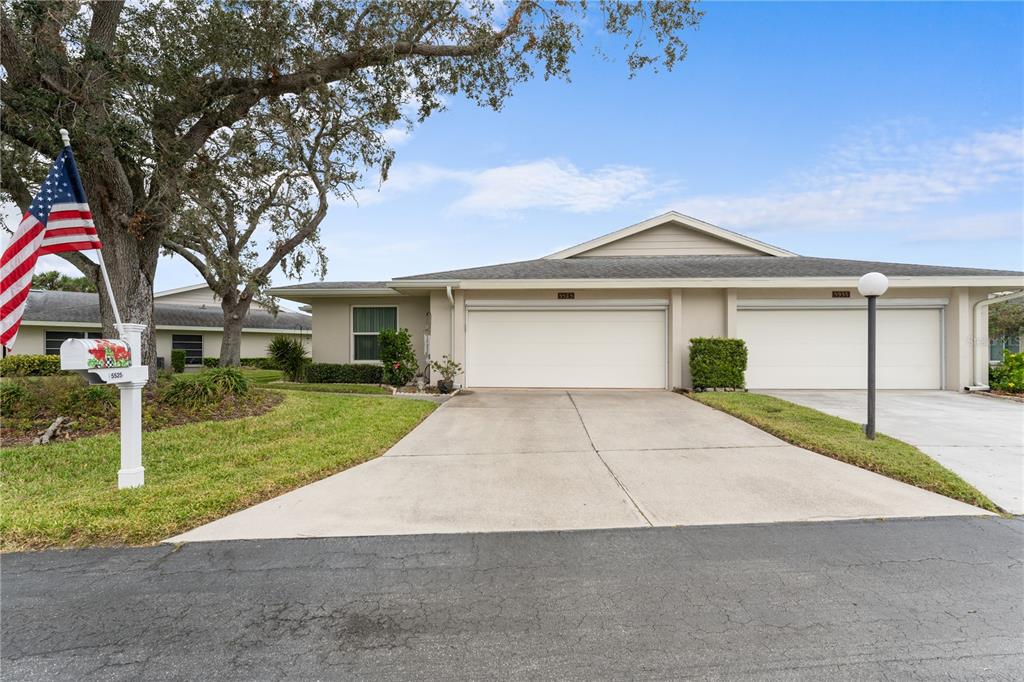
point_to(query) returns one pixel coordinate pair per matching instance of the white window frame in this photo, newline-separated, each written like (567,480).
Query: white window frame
(352,333)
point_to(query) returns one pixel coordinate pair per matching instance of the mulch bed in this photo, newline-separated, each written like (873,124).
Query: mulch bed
(155,416)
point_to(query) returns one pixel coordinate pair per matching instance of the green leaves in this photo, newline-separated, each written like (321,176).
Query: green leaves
(718,363)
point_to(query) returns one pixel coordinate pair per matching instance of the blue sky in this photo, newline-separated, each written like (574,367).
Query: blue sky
(864,131)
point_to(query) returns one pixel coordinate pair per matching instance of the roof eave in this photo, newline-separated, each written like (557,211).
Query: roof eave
(987,281)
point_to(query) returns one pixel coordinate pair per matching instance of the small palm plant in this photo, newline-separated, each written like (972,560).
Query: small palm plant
(290,356)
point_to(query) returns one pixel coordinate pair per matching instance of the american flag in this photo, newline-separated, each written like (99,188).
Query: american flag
(57,220)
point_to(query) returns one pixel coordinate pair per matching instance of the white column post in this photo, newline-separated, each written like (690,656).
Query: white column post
(131,474)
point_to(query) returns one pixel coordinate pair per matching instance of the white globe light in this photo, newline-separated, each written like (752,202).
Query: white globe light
(873,284)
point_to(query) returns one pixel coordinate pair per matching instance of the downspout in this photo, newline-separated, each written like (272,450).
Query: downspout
(451,321)
(980,373)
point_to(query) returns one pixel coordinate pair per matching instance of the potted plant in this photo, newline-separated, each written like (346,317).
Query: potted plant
(448,369)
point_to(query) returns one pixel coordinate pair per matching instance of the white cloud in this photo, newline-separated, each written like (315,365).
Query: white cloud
(874,177)
(396,135)
(970,228)
(551,184)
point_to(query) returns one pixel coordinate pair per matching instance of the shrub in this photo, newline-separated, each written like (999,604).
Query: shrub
(397,357)
(211,362)
(1008,376)
(259,363)
(226,380)
(290,356)
(12,394)
(189,392)
(178,361)
(446,367)
(30,365)
(717,363)
(330,373)
(89,400)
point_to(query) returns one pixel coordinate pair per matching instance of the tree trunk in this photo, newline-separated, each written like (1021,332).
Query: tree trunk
(130,253)
(133,290)
(235,309)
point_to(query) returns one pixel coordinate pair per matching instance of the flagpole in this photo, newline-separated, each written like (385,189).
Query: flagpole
(66,137)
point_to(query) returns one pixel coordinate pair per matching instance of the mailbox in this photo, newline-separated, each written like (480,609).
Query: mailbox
(101,361)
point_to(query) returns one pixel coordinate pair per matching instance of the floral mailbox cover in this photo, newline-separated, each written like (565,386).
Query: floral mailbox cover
(95,354)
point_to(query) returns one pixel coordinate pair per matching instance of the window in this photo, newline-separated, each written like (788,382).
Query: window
(996,346)
(367,323)
(54,339)
(192,344)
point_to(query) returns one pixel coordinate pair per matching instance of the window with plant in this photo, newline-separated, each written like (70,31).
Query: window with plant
(367,324)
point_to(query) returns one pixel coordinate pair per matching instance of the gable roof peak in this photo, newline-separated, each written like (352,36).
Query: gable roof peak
(666,218)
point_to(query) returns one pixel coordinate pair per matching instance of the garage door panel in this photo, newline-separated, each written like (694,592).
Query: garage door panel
(828,348)
(566,348)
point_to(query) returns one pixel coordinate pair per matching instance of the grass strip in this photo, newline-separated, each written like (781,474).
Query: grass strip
(844,440)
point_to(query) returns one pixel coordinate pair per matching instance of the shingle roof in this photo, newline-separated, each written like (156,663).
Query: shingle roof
(686,267)
(67,306)
(335,285)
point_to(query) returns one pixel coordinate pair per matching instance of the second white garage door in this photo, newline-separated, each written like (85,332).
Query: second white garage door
(566,348)
(828,348)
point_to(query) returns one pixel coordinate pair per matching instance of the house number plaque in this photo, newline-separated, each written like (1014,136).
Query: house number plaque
(566,295)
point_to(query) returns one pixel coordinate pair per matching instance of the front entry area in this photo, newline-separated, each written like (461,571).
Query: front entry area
(564,348)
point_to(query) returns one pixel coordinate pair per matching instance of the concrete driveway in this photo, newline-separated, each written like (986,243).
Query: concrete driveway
(558,460)
(978,437)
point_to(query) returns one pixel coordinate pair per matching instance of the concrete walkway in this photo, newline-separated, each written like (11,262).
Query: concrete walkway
(979,437)
(558,460)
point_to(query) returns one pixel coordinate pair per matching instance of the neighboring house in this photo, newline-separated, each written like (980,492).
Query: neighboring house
(188,319)
(619,311)
(997,346)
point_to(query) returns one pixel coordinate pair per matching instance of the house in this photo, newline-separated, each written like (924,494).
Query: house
(619,311)
(188,319)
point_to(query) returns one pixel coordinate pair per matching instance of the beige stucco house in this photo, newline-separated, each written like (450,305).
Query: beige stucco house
(188,319)
(619,311)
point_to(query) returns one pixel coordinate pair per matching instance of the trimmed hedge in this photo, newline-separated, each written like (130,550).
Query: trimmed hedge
(329,373)
(30,365)
(259,363)
(718,363)
(211,362)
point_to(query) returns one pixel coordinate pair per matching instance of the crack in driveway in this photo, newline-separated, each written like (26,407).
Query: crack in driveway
(610,472)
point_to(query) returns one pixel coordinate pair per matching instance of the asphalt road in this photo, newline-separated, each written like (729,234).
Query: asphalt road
(929,599)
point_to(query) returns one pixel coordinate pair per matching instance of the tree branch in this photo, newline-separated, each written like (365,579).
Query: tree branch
(195,261)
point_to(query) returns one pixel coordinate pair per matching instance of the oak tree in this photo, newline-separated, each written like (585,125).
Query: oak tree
(145,87)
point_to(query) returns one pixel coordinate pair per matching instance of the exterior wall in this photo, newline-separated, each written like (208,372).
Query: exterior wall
(32,341)
(254,344)
(669,240)
(203,296)
(691,313)
(703,314)
(332,324)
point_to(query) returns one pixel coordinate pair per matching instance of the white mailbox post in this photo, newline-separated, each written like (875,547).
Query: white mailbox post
(117,362)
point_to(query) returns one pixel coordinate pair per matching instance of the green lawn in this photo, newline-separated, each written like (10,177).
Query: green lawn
(66,494)
(366,389)
(845,441)
(261,376)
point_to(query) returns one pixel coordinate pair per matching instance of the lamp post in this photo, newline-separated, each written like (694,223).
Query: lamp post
(871,286)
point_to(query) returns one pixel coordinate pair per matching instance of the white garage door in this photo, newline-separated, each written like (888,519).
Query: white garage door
(828,348)
(566,348)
